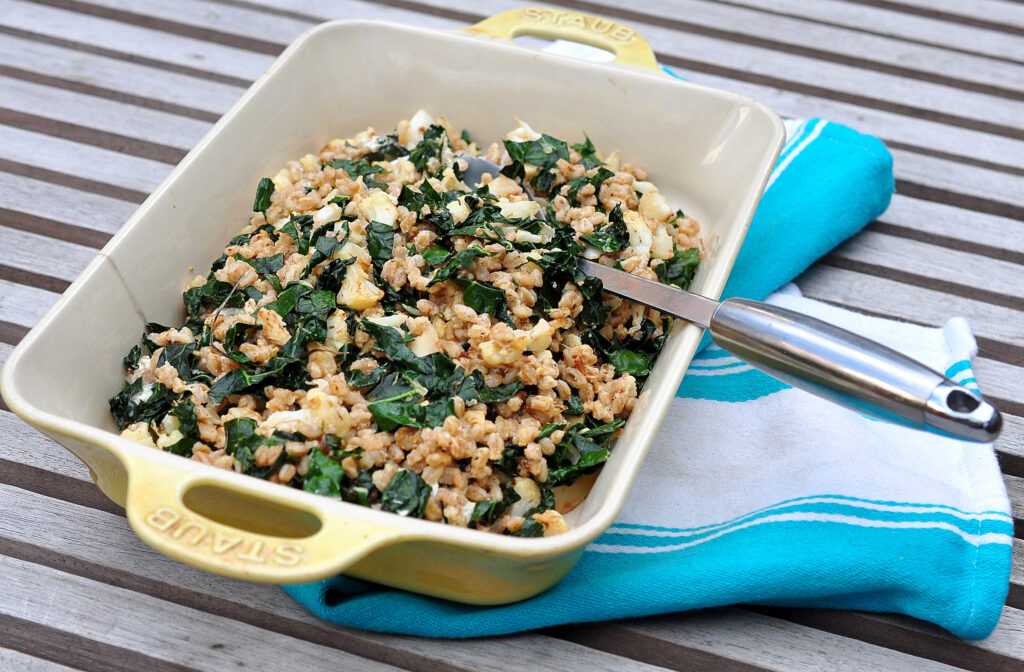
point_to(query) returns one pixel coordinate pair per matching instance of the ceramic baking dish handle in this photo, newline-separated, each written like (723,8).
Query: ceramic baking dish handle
(624,42)
(163,505)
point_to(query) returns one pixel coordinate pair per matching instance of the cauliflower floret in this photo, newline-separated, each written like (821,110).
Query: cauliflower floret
(518,209)
(552,522)
(337,330)
(640,236)
(350,250)
(644,187)
(613,161)
(329,213)
(418,124)
(661,246)
(459,210)
(283,179)
(169,433)
(404,171)
(357,290)
(654,207)
(394,321)
(139,433)
(496,354)
(522,133)
(426,343)
(326,411)
(529,495)
(537,340)
(274,328)
(540,336)
(450,182)
(286,421)
(503,187)
(379,206)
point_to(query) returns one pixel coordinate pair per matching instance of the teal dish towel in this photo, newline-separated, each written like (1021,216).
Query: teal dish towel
(800,503)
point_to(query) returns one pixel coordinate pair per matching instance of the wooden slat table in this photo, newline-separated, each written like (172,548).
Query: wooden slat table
(99,99)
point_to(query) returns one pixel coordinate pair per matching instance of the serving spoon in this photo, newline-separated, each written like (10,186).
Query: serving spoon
(821,358)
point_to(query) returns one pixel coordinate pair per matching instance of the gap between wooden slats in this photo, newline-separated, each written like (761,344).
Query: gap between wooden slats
(108,542)
(927,260)
(15,660)
(110,553)
(53,202)
(109,36)
(881,296)
(82,652)
(889,125)
(998,191)
(94,164)
(24,53)
(994,14)
(94,112)
(1000,652)
(825,43)
(751,63)
(1005,154)
(956,227)
(933,97)
(157,630)
(787,34)
(890,23)
(985,186)
(771,642)
(116,78)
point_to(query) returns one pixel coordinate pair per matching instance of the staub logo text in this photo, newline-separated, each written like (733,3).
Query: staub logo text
(190,532)
(615,31)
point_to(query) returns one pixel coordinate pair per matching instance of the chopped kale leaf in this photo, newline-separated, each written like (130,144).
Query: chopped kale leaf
(577,183)
(213,294)
(356,169)
(435,256)
(264,190)
(407,494)
(380,238)
(679,270)
(634,363)
(588,153)
(391,342)
(131,360)
(611,237)
(333,275)
(324,475)
(430,147)
(484,298)
(262,265)
(459,261)
(140,402)
(543,153)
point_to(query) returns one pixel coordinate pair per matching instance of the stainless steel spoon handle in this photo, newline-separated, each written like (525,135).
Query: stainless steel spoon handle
(851,370)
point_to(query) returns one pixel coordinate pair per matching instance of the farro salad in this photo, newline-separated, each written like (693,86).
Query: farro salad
(383,333)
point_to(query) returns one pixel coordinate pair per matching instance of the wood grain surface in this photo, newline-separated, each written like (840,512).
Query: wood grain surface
(99,100)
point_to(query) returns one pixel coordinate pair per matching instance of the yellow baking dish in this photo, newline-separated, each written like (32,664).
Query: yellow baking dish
(710,152)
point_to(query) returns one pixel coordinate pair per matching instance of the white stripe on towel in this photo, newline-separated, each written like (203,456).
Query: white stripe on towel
(973,539)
